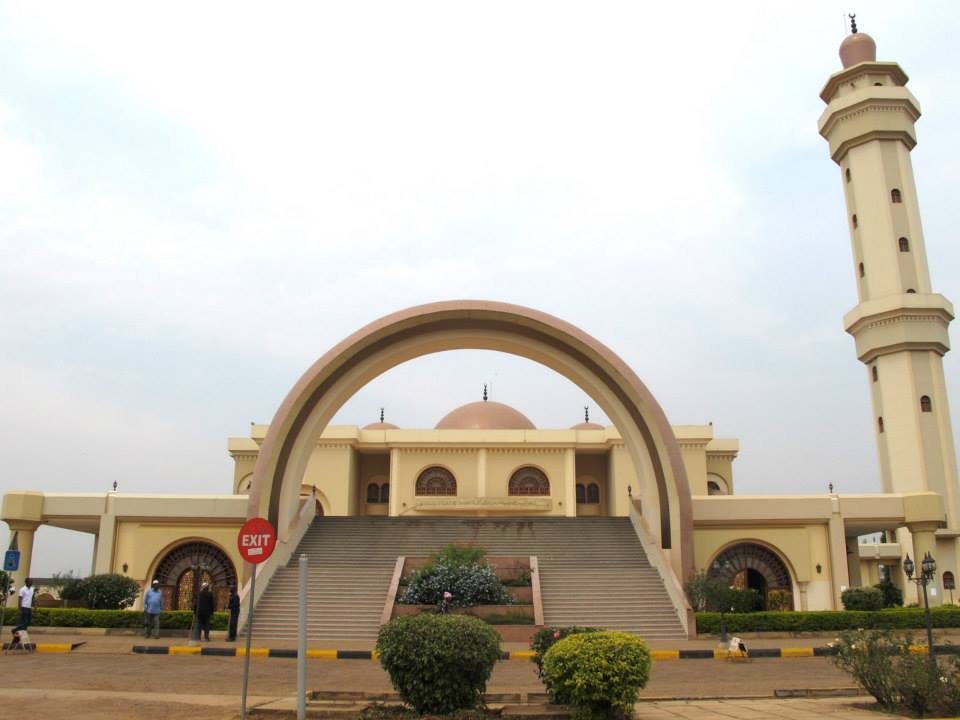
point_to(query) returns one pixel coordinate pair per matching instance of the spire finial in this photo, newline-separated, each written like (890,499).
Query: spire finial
(381,414)
(484,392)
(586,413)
(853,23)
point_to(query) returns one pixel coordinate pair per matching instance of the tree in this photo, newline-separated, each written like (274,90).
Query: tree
(109,592)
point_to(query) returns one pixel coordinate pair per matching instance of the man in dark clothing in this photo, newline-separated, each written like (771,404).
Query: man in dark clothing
(234,606)
(205,610)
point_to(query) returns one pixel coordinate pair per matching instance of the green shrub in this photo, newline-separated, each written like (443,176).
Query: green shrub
(75,617)
(779,600)
(509,618)
(459,554)
(108,591)
(707,593)
(892,595)
(860,598)
(946,616)
(544,639)
(883,665)
(439,663)
(6,583)
(598,673)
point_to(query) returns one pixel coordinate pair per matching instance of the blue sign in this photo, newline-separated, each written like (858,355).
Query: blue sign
(11,560)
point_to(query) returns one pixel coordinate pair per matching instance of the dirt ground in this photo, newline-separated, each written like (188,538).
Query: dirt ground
(160,686)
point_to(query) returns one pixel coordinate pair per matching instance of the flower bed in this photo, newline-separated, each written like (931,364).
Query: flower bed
(947,616)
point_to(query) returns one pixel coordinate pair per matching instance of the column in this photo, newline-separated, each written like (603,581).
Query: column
(924,541)
(394,482)
(482,472)
(570,482)
(839,574)
(853,560)
(24,532)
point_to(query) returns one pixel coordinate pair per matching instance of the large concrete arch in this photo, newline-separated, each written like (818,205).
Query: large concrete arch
(471,324)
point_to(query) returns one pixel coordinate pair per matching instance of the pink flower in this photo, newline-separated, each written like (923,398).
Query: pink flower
(556,635)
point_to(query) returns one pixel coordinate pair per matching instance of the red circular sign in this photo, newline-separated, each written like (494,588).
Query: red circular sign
(256,540)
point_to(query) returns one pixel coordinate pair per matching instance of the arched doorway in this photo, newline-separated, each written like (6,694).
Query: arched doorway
(749,565)
(428,329)
(186,567)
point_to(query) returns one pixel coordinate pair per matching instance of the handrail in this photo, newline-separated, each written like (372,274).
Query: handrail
(281,556)
(535,591)
(661,562)
(392,591)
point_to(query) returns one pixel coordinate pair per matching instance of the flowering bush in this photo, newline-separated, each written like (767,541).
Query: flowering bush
(883,665)
(469,585)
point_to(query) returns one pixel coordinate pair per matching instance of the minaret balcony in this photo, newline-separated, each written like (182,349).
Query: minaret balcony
(908,321)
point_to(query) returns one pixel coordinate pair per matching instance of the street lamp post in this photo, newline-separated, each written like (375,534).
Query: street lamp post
(927,569)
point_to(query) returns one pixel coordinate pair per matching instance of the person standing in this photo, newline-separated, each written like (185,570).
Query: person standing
(25,603)
(234,607)
(205,610)
(152,605)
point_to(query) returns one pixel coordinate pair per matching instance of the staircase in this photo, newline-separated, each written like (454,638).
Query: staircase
(593,571)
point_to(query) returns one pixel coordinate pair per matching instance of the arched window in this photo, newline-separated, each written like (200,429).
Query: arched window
(593,494)
(847,174)
(904,245)
(853,218)
(385,493)
(436,481)
(895,196)
(861,270)
(880,424)
(925,404)
(874,372)
(373,493)
(911,291)
(949,583)
(581,494)
(713,488)
(528,481)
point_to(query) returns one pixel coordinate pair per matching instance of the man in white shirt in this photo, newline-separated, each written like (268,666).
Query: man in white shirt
(25,602)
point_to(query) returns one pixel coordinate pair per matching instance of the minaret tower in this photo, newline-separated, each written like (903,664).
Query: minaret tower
(900,324)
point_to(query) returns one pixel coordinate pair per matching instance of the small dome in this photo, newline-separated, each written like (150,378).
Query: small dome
(587,426)
(856,48)
(485,415)
(380,426)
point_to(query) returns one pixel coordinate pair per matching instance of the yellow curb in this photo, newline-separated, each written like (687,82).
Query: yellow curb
(254,652)
(374,655)
(796,652)
(54,647)
(522,655)
(665,654)
(918,649)
(721,654)
(183,650)
(322,654)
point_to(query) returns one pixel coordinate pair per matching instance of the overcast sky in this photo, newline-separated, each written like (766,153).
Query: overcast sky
(197,201)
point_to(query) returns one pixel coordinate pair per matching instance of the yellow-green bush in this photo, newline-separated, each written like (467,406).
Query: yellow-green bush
(598,673)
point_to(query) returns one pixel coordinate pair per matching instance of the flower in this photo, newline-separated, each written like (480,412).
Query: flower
(556,635)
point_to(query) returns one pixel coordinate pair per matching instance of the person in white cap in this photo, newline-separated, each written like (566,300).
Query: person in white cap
(205,610)
(152,606)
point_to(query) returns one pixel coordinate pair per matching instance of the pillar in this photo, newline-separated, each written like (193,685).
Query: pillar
(570,482)
(924,541)
(853,560)
(24,532)
(394,482)
(482,472)
(839,572)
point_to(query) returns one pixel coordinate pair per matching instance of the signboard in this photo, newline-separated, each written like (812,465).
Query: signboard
(11,560)
(256,540)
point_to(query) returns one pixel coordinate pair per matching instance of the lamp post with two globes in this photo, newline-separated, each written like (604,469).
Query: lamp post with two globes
(927,569)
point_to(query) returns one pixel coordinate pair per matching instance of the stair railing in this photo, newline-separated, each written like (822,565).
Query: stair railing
(281,556)
(659,560)
(393,589)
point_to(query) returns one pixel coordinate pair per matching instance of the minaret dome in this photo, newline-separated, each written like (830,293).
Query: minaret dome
(857,47)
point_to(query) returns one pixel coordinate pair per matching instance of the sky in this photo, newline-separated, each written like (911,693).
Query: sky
(198,200)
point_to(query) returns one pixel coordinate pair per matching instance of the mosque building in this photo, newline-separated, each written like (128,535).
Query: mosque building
(672,486)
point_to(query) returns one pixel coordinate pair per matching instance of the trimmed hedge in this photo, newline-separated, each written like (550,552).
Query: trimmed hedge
(74,617)
(947,616)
